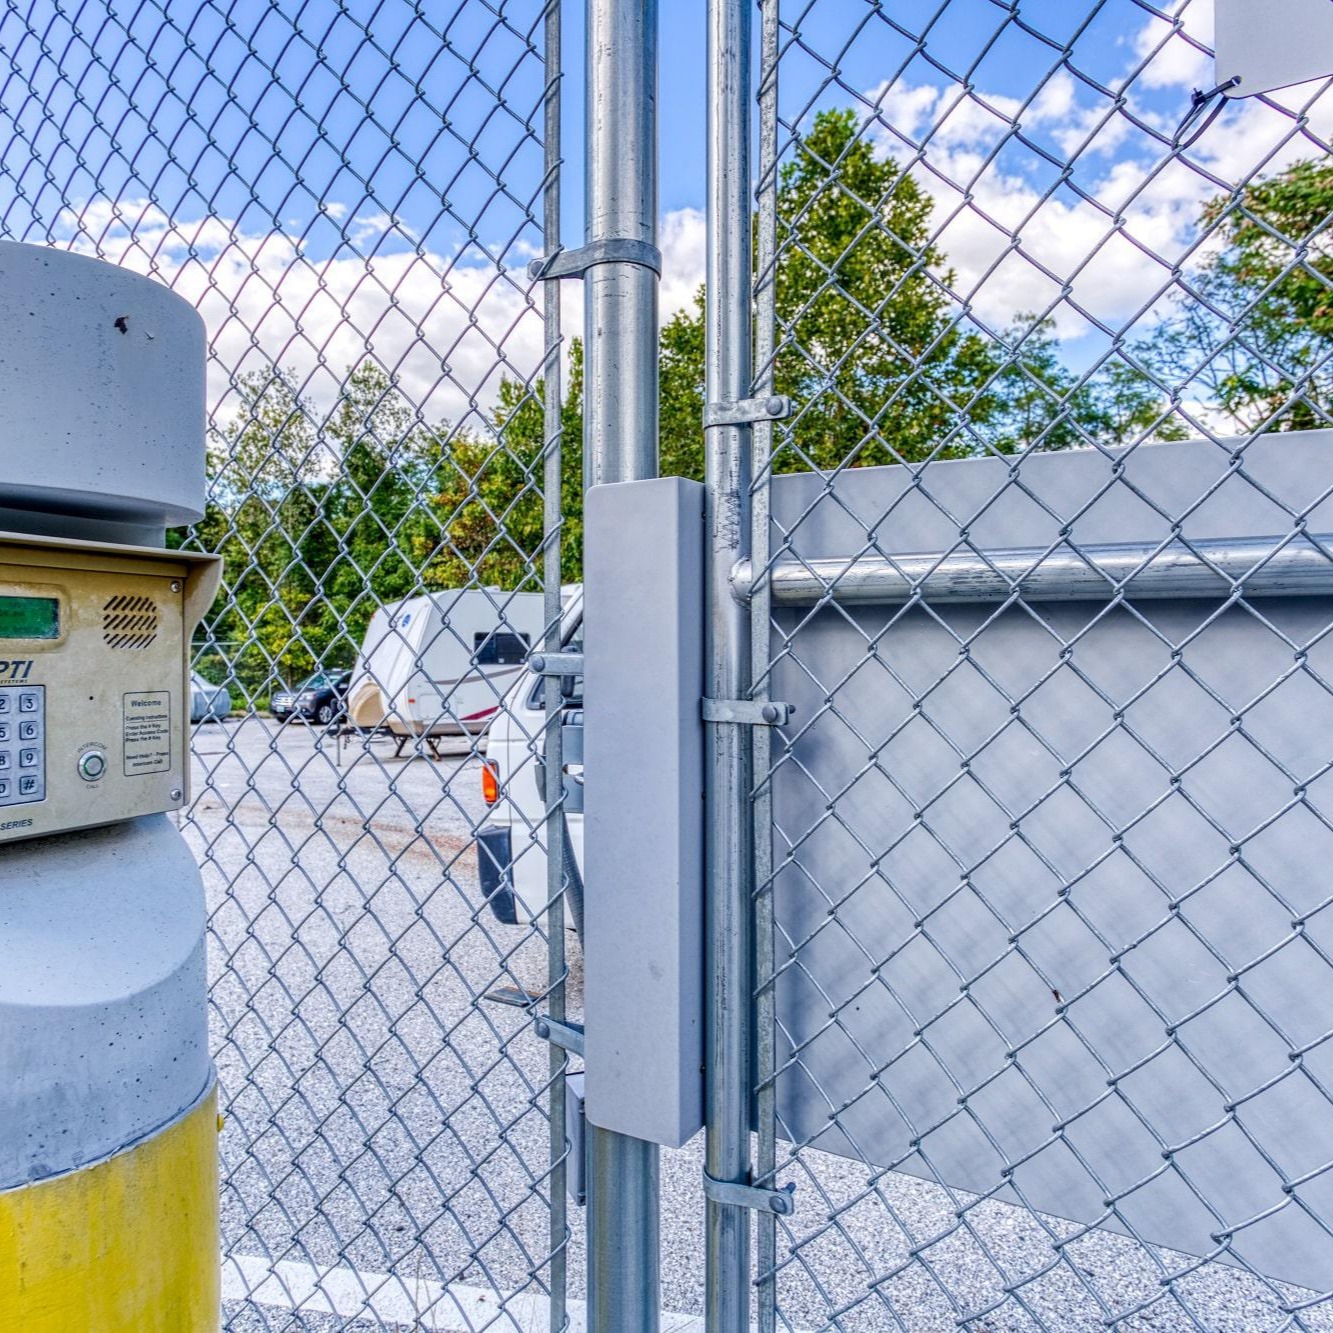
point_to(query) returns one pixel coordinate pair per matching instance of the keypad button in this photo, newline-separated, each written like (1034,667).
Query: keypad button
(22,745)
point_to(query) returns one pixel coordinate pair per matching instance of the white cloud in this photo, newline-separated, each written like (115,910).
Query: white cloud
(683,242)
(1174,61)
(1100,244)
(449,326)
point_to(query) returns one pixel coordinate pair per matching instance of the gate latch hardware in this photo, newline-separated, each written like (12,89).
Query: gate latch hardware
(746,411)
(614,250)
(748,712)
(750,1196)
(568,1036)
(556,664)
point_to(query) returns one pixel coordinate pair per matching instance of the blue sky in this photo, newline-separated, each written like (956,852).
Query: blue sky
(228,150)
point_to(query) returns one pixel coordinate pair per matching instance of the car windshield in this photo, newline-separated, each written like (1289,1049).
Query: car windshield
(317,681)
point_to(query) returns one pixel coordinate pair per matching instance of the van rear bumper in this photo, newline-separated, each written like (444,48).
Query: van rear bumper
(495,862)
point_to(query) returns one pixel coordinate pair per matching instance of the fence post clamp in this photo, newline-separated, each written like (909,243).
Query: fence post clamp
(568,1036)
(757,1197)
(748,712)
(747,411)
(614,250)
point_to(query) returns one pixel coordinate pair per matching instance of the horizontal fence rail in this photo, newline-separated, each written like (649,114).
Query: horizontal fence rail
(1249,567)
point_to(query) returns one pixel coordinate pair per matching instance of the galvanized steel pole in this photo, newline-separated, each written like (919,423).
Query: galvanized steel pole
(620,311)
(620,444)
(552,575)
(729,865)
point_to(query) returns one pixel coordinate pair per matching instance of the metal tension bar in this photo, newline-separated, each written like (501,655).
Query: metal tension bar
(556,664)
(746,411)
(615,250)
(748,712)
(750,1196)
(568,1036)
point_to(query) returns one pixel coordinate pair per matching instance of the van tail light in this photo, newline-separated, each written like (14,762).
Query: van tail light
(490,781)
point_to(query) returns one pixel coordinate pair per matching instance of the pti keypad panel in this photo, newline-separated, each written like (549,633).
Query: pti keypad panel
(22,744)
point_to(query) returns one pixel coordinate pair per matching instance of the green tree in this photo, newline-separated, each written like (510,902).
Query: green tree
(1251,334)
(489,498)
(1038,402)
(866,340)
(263,497)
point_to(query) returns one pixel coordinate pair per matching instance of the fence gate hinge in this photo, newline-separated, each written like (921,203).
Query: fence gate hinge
(757,1197)
(575,263)
(748,712)
(746,411)
(568,1036)
(556,664)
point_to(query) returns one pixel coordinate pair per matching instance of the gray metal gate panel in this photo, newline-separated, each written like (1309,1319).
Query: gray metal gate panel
(1049,888)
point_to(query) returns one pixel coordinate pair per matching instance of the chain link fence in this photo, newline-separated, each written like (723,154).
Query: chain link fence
(350,196)
(1043,950)
(1041,557)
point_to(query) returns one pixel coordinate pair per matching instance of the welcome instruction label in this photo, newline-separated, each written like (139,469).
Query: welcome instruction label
(147,733)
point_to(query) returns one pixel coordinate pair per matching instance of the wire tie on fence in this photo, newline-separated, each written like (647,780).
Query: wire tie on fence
(614,250)
(748,712)
(1200,102)
(758,1197)
(746,411)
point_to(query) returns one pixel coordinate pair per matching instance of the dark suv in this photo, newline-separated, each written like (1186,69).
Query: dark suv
(319,698)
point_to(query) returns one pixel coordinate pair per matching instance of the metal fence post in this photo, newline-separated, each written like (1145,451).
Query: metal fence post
(729,862)
(553,750)
(620,444)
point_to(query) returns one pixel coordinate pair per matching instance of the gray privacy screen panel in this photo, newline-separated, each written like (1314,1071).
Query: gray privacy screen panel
(1052,878)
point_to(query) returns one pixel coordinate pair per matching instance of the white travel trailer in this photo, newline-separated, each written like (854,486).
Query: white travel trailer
(441,665)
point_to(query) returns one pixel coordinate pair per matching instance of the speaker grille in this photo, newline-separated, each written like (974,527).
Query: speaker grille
(129,622)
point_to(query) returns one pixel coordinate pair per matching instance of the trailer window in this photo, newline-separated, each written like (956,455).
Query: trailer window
(500,648)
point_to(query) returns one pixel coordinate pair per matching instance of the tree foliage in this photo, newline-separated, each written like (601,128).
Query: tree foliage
(1249,338)
(323,518)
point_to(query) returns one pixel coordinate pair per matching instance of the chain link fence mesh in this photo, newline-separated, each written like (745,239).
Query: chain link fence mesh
(349,195)
(1043,953)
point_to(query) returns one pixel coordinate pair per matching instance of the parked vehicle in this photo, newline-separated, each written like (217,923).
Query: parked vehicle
(208,702)
(320,698)
(511,864)
(440,665)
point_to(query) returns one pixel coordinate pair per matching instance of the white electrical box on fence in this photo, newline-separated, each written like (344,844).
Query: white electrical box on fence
(1268,46)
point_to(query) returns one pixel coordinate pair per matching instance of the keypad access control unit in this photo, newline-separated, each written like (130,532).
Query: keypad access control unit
(94,680)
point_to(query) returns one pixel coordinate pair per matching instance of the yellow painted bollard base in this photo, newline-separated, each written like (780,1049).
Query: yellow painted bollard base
(126,1245)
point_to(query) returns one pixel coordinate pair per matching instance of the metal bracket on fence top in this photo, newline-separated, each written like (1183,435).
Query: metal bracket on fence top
(746,411)
(556,664)
(568,1036)
(750,1196)
(748,712)
(575,263)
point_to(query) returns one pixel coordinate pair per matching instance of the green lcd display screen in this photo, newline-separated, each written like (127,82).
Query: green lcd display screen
(29,618)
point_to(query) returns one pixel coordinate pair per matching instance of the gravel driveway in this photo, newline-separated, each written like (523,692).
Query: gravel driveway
(384,1117)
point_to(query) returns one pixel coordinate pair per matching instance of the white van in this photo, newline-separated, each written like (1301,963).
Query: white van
(511,845)
(441,665)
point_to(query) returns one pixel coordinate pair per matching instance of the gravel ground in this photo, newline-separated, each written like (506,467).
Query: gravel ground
(383,1116)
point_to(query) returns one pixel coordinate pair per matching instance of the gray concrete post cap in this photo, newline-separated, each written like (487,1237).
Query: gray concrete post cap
(101,391)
